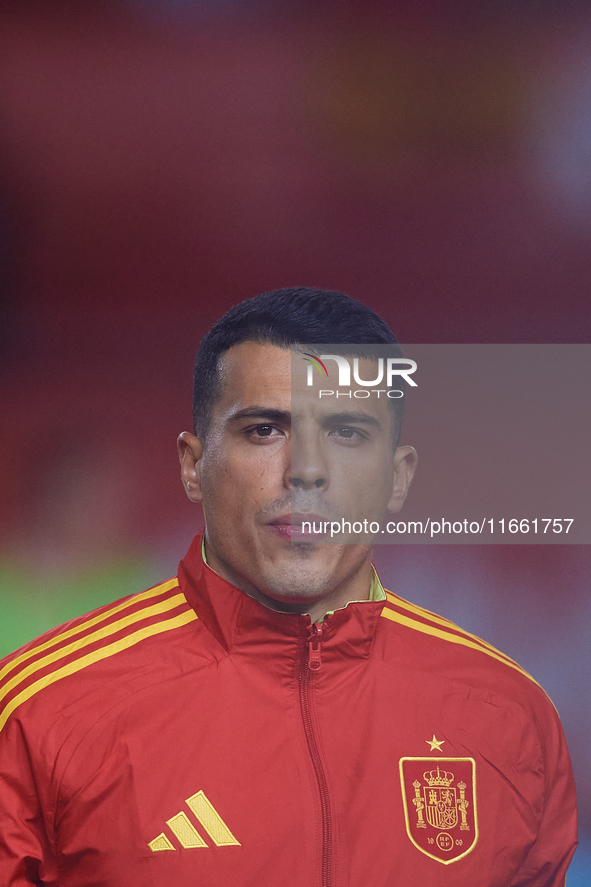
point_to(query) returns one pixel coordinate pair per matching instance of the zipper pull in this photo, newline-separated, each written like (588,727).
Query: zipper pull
(314,639)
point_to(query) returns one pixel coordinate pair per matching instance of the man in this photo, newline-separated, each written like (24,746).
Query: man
(271,716)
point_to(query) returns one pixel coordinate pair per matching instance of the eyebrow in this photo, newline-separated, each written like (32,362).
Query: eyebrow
(255,412)
(357,417)
(284,417)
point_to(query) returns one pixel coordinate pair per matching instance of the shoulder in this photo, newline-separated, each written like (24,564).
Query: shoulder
(73,651)
(432,643)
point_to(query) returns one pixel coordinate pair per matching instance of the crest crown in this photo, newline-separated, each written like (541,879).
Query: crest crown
(438,777)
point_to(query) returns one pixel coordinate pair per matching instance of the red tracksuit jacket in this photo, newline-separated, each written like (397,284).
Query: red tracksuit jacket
(190,737)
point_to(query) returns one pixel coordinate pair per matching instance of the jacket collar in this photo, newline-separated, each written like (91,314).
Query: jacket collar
(236,620)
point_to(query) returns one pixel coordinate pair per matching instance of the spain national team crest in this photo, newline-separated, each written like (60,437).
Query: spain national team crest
(439,796)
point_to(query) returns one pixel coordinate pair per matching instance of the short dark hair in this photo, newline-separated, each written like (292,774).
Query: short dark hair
(287,317)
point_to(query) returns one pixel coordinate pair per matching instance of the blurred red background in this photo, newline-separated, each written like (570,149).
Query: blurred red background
(162,161)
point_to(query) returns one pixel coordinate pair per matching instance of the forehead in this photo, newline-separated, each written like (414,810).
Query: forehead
(255,374)
(251,371)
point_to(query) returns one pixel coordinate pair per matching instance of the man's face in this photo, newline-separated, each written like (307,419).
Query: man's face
(272,460)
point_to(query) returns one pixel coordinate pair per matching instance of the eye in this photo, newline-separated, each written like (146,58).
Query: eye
(263,433)
(348,435)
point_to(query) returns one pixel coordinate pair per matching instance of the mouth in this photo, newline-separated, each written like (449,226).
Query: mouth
(301,527)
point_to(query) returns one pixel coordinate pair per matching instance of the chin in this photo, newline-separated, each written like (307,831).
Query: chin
(283,586)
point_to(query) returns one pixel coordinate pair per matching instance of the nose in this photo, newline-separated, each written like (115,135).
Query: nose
(308,469)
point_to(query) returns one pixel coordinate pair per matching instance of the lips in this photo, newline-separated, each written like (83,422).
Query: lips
(289,526)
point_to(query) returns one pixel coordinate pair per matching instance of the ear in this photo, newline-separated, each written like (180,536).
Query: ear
(405,462)
(190,453)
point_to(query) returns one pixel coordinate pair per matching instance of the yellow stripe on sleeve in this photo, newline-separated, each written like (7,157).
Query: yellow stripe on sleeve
(70,632)
(96,656)
(454,639)
(427,614)
(112,628)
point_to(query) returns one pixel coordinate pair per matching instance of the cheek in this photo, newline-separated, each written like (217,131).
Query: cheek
(362,477)
(216,482)
(228,484)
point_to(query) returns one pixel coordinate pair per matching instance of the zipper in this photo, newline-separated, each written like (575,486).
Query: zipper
(310,662)
(314,641)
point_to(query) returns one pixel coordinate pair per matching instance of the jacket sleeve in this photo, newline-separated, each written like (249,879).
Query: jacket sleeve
(548,859)
(26,854)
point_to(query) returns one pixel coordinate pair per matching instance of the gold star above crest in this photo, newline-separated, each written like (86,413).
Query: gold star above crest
(435,743)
